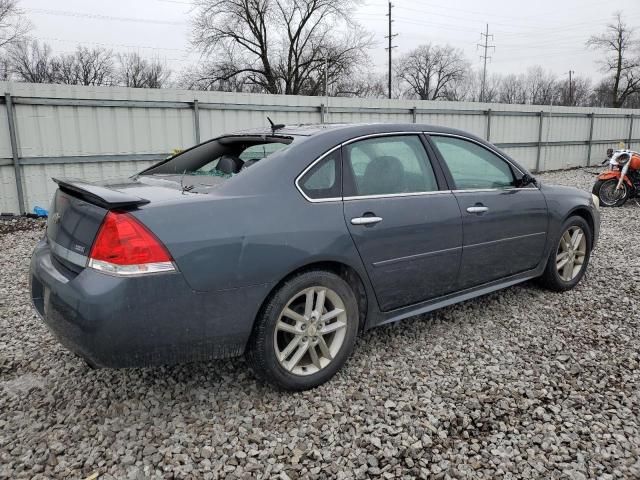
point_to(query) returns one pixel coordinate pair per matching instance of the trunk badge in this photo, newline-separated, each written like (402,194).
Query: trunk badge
(56,217)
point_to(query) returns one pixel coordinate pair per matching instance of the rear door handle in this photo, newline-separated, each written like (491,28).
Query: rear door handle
(365,220)
(477,209)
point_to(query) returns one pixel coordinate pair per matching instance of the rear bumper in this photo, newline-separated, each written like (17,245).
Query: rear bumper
(141,321)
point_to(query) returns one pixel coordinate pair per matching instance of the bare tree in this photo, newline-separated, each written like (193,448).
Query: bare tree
(135,71)
(578,94)
(468,88)
(33,62)
(431,70)
(541,86)
(86,67)
(513,89)
(13,25)
(622,61)
(239,38)
(364,86)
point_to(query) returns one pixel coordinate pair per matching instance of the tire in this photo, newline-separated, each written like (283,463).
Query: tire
(605,202)
(557,279)
(269,342)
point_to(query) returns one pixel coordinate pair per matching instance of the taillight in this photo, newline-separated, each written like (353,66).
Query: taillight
(124,246)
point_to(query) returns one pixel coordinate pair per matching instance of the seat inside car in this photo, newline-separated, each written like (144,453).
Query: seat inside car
(383,175)
(229,164)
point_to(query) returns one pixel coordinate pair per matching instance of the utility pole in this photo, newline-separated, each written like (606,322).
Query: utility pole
(326,83)
(391,46)
(486,47)
(571,72)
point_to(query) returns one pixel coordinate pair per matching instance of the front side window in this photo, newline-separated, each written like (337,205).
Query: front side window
(472,166)
(324,179)
(388,165)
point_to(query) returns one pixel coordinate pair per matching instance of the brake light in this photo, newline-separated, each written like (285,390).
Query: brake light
(124,246)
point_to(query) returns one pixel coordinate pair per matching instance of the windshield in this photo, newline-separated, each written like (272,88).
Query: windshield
(221,158)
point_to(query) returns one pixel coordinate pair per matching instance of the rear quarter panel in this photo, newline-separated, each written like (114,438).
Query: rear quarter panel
(225,242)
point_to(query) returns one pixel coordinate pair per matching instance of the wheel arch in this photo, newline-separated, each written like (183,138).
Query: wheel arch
(584,213)
(341,269)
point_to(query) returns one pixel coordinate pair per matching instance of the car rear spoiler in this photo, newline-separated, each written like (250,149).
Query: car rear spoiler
(102,196)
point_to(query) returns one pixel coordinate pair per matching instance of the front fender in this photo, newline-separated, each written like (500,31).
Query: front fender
(614,174)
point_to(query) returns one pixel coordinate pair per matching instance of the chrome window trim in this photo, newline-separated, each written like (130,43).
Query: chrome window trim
(304,172)
(408,194)
(383,134)
(329,152)
(478,190)
(390,195)
(498,154)
(394,195)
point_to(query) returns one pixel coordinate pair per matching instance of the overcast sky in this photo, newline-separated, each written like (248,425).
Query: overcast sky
(550,33)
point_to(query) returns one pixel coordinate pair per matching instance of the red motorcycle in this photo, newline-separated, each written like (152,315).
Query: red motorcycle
(621,181)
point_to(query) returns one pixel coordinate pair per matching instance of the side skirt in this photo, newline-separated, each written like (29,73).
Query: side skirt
(457,297)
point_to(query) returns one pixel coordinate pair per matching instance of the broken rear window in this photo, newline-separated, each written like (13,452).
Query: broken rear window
(223,157)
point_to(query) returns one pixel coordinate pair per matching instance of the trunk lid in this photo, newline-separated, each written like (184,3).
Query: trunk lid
(72,225)
(79,208)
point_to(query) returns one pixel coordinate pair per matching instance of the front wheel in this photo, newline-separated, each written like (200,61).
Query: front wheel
(609,194)
(306,331)
(570,256)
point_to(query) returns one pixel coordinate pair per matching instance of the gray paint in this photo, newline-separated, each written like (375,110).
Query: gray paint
(233,245)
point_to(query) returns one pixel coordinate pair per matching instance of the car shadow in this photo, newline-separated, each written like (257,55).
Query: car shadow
(230,379)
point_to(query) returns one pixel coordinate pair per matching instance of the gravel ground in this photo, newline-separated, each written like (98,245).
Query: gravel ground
(518,384)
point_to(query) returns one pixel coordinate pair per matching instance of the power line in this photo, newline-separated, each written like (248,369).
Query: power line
(486,47)
(93,16)
(391,46)
(105,44)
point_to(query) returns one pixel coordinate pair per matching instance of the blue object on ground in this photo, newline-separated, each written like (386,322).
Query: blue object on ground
(41,212)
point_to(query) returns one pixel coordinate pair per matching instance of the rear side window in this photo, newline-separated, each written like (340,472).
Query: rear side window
(472,166)
(389,165)
(324,179)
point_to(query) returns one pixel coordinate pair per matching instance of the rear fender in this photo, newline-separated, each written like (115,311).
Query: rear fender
(616,175)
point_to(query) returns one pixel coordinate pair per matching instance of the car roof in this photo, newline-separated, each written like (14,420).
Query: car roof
(309,130)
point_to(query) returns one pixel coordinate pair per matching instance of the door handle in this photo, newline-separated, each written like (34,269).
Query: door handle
(365,220)
(477,209)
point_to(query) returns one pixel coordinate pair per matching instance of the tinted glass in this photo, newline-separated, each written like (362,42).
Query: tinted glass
(472,166)
(389,165)
(324,179)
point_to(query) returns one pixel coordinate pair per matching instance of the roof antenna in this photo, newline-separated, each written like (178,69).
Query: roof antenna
(275,126)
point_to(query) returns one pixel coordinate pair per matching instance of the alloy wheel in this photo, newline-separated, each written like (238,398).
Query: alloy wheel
(310,330)
(571,253)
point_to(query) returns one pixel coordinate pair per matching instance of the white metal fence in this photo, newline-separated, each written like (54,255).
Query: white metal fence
(97,133)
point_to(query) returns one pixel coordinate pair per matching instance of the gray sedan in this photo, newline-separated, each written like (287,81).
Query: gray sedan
(284,243)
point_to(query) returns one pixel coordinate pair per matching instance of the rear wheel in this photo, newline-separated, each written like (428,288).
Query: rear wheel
(305,332)
(569,258)
(609,194)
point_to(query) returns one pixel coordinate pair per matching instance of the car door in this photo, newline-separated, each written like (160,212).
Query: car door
(404,221)
(504,227)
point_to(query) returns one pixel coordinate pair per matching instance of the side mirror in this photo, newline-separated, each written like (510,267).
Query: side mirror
(527,179)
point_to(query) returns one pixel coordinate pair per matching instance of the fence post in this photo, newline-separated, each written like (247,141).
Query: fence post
(630,137)
(590,141)
(322,113)
(196,120)
(14,151)
(541,114)
(488,113)
(414,114)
